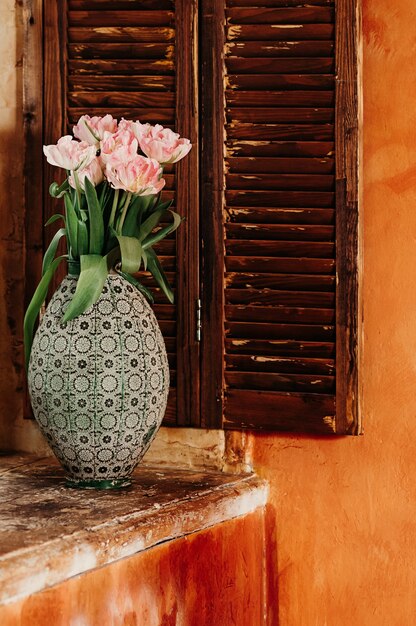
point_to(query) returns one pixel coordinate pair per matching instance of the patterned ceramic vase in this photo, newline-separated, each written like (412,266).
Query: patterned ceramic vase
(99,384)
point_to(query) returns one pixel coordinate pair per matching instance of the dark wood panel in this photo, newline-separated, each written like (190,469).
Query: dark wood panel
(280,81)
(268,32)
(280,265)
(110,18)
(244,313)
(265,410)
(270,297)
(280,382)
(88,82)
(308,65)
(260,358)
(121,67)
(269,99)
(317,250)
(279,215)
(318,199)
(111,99)
(161,116)
(165,311)
(119,34)
(280,49)
(120,51)
(267,148)
(297,282)
(267,165)
(298,182)
(171,410)
(280,232)
(258,330)
(311,132)
(298,15)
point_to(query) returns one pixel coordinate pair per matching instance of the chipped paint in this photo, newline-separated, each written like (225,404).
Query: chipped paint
(286,26)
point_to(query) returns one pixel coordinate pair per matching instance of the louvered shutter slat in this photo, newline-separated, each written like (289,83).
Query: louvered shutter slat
(279,216)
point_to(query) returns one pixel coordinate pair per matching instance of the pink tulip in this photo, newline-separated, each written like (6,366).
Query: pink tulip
(161,143)
(70,154)
(92,129)
(93,172)
(118,148)
(140,176)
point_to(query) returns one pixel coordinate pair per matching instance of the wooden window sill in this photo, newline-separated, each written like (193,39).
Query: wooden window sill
(49,533)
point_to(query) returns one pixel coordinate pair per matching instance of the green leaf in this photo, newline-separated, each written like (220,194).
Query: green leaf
(51,251)
(72,227)
(57,191)
(55,218)
(96,219)
(164,206)
(35,306)
(144,290)
(163,232)
(82,238)
(131,223)
(158,274)
(149,224)
(89,286)
(131,254)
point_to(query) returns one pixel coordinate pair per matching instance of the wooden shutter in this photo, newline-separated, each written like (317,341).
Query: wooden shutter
(124,57)
(287,222)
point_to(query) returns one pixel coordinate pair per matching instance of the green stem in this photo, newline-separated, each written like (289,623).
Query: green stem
(124,213)
(114,207)
(78,189)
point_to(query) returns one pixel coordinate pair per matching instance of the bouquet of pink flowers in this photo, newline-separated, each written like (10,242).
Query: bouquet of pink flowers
(112,208)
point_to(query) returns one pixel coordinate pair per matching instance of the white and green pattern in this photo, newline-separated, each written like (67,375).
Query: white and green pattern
(99,383)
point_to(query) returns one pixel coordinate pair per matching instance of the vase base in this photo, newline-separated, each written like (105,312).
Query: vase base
(116,483)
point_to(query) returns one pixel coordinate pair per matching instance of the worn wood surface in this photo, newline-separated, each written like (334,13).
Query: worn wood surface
(348,306)
(212,42)
(49,533)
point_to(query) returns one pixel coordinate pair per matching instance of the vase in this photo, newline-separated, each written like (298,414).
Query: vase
(99,383)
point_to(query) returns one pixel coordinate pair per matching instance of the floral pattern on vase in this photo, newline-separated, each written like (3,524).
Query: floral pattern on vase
(99,383)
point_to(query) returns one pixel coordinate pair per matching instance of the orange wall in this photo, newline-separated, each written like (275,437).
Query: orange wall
(346,516)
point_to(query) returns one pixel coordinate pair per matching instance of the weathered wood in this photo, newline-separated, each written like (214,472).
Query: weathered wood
(244,65)
(280,215)
(348,259)
(120,5)
(120,67)
(187,198)
(261,359)
(298,15)
(280,49)
(280,382)
(267,148)
(290,32)
(302,132)
(280,81)
(254,165)
(120,34)
(301,282)
(302,182)
(296,332)
(280,98)
(294,412)
(97,83)
(212,17)
(299,199)
(280,232)
(153,116)
(111,99)
(279,3)
(317,250)
(120,50)
(131,18)
(272,297)
(279,265)
(242,313)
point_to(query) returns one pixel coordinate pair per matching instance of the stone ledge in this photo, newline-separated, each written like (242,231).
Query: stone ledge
(49,533)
